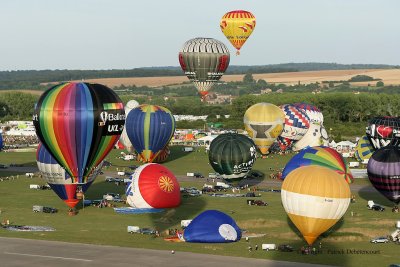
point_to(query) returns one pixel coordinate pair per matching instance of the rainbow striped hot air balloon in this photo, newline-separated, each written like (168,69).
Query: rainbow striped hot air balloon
(79,124)
(320,156)
(314,198)
(150,128)
(59,180)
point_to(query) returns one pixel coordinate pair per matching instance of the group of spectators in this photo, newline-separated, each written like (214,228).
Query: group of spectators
(15,141)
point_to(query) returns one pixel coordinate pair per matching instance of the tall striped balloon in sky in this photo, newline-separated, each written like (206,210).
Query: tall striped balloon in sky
(79,124)
(314,198)
(150,128)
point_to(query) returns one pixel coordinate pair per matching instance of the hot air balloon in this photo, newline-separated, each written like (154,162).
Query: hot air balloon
(124,139)
(319,156)
(79,123)
(384,172)
(237,26)
(204,61)
(232,156)
(212,226)
(363,149)
(150,128)
(295,126)
(153,186)
(314,198)
(163,155)
(59,180)
(314,114)
(316,136)
(264,123)
(382,130)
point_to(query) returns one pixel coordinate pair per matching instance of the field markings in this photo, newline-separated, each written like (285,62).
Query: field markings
(44,256)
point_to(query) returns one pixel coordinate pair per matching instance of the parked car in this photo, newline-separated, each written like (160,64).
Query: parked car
(380,239)
(252,202)
(219,188)
(110,179)
(147,231)
(37,208)
(2,166)
(376,207)
(285,248)
(111,196)
(255,174)
(198,175)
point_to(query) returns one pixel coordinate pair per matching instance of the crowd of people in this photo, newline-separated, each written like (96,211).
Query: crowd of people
(15,141)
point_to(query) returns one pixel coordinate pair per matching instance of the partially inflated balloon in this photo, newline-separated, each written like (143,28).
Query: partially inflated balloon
(79,124)
(295,126)
(163,155)
(237,26)
(124,139)
(264,123)
(204,61)
(59,180)
(150,128)
(382,130)
(314,198)
(384,172)
(320,156)
(316,136)
(153,186)
(232,156)
(314,114)
(363,149)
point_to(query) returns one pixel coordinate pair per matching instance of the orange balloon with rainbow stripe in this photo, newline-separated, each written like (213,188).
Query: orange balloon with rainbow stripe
(315,198)
(237,26)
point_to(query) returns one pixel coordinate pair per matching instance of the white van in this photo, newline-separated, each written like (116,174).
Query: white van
(268,247)
(133,229)
(34,186)
(354,164)
(121,173)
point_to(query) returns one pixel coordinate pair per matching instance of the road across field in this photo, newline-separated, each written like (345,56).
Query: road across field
(38,253)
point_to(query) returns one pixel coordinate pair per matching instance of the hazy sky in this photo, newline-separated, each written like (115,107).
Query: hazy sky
(125,34)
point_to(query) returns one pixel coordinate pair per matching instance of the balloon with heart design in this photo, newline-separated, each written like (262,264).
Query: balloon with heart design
(381,131)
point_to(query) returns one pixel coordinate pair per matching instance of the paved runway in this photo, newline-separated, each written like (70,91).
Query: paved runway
(16,252)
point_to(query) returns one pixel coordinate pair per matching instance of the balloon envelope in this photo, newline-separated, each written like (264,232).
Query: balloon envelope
(264,123)
(204,61)
(384,172)
(212,226)
(124,139)
(382,130)
(314,198)
(150,128)
(79,124)
(316,136)
(314,114)
(59,180)
(363,149)
(295,125)
(153,186)
(237,26)
(232,156)
(320,156)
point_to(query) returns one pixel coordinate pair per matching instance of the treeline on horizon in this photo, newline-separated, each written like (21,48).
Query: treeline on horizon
(33,79)
(346,114)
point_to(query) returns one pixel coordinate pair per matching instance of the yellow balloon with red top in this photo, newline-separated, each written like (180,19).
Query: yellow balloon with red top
(237,26)
(315,198)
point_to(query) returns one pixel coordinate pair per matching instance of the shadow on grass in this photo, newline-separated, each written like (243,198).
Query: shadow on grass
(326,253)
(170,219)
(370,193)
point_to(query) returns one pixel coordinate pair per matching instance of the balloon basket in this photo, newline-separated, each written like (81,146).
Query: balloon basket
(72,212)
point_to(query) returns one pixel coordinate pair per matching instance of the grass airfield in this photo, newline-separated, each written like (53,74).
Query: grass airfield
(346,244)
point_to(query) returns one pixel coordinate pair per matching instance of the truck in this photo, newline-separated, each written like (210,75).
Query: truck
(133,229)
(268,247)
(37,208)
(187,149)
(353,164)
(34,186)
(224,185)
(190,174)
(395,236)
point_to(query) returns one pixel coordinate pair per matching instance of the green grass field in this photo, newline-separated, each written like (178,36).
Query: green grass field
(104,226)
